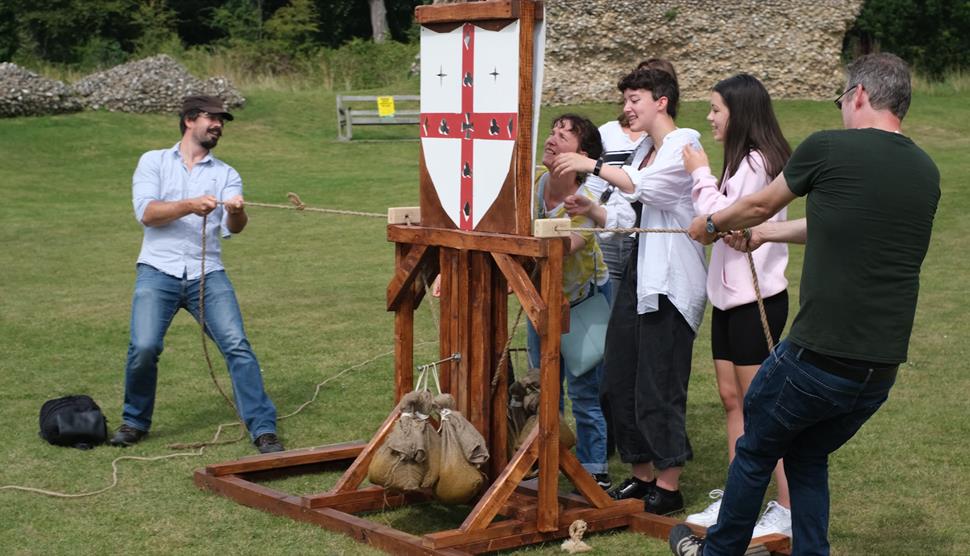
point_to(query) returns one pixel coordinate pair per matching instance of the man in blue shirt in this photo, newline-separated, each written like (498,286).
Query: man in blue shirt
(175,191)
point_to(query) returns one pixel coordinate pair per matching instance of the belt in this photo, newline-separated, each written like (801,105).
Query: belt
(858,373)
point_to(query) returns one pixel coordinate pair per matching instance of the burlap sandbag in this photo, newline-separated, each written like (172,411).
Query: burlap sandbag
(432,463)
(462,451)
(530,404)
(401,463)
(516,414)
(566,436)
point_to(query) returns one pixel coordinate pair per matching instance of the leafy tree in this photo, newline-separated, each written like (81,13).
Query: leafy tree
(294,26)
(157,23)
(933,35)
(240,20)
(69,30)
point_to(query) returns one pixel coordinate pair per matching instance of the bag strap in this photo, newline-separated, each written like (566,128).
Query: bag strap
(541,207)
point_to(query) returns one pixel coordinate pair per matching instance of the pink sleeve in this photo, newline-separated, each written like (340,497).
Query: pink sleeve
(751,177)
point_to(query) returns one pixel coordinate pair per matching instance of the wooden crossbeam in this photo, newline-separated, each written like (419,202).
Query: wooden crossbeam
(289,458)
(499,533)
(523,288)
(411,264)
(357,471)
(469,241)
(583,481)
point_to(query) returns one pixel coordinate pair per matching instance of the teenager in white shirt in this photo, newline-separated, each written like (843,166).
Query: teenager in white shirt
(661,300)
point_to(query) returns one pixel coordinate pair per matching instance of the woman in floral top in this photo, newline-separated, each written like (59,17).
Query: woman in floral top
(582,268)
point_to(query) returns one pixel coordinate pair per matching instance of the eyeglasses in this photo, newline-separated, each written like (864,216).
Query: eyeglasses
(214,117)
(838,101)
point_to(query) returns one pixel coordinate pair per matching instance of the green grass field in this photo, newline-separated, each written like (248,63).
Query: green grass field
(312,291)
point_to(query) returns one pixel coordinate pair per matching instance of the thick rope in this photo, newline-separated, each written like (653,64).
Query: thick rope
(508,342)
(114,477)
(208,360)
(754,273)
(505,350)
(628,230)
(201,450)
(761,303)
(297,204)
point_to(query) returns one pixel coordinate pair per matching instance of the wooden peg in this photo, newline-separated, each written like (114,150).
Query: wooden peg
(403,215)
(551,227)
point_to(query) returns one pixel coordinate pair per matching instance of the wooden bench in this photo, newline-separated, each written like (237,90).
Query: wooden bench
(350,113)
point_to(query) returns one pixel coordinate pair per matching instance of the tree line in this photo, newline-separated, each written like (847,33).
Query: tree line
(97,33)
(933,35)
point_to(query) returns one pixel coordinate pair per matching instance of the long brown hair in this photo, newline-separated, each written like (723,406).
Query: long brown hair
(752,125)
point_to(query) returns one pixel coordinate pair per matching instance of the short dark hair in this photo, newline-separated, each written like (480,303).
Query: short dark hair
(885,77)
(588,135)
(659,82)
(660,64)
(586,131)
(650,63)
(191,115)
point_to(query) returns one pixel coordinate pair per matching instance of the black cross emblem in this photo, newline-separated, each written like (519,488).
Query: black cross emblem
(494,74)
(441,75)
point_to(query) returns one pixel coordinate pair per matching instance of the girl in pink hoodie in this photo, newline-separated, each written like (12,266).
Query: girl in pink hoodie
(755,151)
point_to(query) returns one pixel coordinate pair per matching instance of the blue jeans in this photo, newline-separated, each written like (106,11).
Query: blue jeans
(157,298)
(802,413)
(584,393)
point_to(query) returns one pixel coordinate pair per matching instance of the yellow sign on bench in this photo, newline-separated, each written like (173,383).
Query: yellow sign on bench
(385,107)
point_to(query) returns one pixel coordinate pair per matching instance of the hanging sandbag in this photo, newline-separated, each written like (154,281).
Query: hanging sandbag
(401,463)
(462,452)
(432,463)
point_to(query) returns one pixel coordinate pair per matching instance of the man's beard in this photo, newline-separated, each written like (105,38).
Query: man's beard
(211,139)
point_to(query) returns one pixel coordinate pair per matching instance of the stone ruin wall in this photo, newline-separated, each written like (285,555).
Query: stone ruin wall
(793,46)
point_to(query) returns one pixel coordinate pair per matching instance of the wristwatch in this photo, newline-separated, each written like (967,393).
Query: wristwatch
(711,229)
(598,167)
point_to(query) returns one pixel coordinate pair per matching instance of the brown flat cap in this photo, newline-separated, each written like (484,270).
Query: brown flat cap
(210,104)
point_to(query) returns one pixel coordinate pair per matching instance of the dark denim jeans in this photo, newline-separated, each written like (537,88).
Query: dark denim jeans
(584,393)
(799,412)
(157,298)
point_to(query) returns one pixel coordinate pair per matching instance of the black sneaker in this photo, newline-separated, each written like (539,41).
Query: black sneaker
(127,436)
(268,443)
(632,488)
(603,480)
(683,541)
(661,501)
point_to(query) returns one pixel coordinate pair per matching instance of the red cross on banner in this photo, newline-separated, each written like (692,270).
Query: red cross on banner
(468,125)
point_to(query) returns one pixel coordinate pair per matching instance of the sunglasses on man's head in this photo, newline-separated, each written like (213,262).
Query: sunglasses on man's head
(838,101)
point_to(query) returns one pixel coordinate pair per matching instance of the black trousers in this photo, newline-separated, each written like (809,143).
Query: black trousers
(646,372)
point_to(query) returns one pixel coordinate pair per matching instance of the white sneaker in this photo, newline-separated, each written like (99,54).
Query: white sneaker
(708,517)
(776,519)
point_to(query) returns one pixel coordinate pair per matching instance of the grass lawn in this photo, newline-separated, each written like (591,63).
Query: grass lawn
(312,291)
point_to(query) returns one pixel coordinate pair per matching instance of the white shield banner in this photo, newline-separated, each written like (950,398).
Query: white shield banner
(469,115)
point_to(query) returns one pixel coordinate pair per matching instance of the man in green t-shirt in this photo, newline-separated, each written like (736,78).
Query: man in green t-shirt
(871,197)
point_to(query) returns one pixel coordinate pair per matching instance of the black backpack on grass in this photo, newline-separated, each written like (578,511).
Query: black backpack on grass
(74,421)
